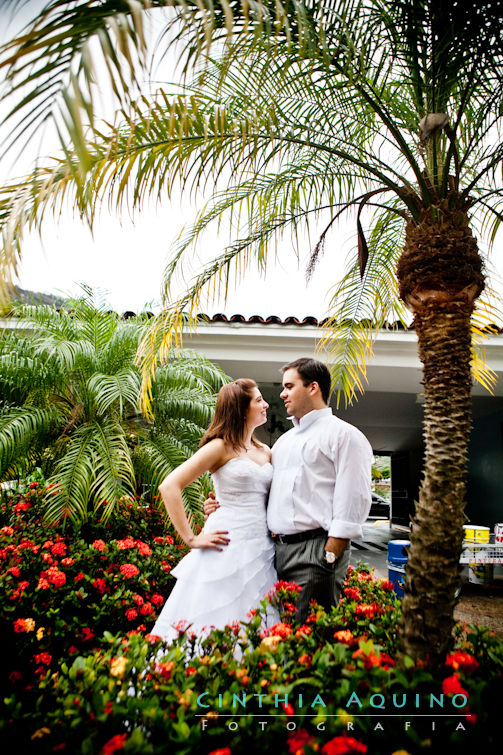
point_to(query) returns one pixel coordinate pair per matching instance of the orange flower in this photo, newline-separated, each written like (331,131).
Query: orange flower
(462,662)
(345,636)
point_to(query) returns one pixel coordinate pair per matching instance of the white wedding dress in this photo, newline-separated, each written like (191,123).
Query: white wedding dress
(214,588)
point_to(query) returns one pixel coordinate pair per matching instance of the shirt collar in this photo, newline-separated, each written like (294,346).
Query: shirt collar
(311,417)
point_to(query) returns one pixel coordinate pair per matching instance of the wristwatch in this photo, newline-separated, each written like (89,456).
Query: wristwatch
(330,557)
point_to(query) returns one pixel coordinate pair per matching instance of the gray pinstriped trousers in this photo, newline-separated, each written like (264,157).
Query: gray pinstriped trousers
(304,564)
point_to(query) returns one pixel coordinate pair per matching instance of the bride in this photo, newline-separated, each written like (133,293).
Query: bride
(228,571)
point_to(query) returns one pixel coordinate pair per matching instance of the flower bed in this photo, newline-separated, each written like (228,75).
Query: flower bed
(62,589)
(330,686)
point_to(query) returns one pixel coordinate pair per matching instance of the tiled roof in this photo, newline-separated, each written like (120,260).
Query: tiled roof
(276,320)
(290,320)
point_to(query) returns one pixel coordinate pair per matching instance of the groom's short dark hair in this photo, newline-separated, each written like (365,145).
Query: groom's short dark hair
(312,371)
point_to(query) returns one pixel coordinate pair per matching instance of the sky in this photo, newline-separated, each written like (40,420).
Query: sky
(125,258)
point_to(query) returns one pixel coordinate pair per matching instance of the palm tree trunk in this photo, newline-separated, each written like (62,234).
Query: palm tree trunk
(440,275)
(443,330)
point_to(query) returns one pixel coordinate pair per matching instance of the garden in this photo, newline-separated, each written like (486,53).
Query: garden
(287,115)
(82,672)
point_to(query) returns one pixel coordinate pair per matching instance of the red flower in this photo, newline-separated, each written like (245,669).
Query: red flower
(165,669)
(452,686)
(67,561)
(352,593)
(59,549)
(143,548)
(191,670)
(297,740)
(138,600)
(100,545)
(79,576)
(48,544)
(7,531)
(87,634)
(108,707)
(55,576)
(368,610)
(280,629)
(20,590)
(116,744)
(43,658)
(304,630)
(147,609)
(21,506)
(123,545)
(343,746)
(15,676)
(157,599)
(169,540)
(387,584)
(14,570)
(43,584)
(221,751)
(290,586)
(129,570)
(462,662)
(288,708)
(131,614)
(305,659)
(166,566)
(24,625)
(100,585)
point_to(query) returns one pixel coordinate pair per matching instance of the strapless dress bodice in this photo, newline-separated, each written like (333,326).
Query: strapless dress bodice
(241,488)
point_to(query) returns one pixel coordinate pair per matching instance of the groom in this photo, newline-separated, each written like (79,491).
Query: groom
(320,492)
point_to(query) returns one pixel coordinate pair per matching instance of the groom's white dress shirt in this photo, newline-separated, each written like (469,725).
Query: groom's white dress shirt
(322,476)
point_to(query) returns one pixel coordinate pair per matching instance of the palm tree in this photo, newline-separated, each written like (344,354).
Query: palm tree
(69,404)
(298,111)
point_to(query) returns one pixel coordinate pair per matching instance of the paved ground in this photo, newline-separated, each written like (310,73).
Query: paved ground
(478,604)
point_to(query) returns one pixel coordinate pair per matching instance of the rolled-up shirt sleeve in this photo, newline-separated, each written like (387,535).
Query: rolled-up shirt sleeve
(352,498)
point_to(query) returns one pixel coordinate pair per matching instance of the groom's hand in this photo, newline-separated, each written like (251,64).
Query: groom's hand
(210,505)
(336,545)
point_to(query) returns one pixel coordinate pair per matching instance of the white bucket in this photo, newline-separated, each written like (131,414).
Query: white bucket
(498,533)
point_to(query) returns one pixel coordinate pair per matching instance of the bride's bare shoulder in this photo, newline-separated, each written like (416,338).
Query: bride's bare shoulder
(265,448)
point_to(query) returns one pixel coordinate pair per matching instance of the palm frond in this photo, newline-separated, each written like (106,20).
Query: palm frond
(114,472)
(22,431)
(155,457)
(360,306)
(96,466)
(120,389)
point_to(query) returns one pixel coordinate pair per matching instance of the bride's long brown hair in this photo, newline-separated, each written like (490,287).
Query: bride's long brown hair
(229,419)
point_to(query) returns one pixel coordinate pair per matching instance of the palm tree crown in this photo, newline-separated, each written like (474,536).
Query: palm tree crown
(70,394)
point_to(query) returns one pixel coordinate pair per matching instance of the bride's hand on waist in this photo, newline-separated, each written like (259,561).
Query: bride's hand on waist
(210,540)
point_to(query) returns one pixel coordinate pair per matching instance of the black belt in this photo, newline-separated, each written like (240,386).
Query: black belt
(299,537)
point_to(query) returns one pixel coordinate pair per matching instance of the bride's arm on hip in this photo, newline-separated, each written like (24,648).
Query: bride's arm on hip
(209,457)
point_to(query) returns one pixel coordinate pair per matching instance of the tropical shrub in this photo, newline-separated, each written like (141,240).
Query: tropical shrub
(330,686)
(69,392)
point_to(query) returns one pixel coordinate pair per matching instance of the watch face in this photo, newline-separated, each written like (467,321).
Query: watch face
(329,557)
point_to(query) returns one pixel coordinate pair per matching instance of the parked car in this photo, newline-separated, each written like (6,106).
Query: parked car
(380,508)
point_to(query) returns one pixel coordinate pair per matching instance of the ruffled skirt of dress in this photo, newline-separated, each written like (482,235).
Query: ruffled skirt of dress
(216,588)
